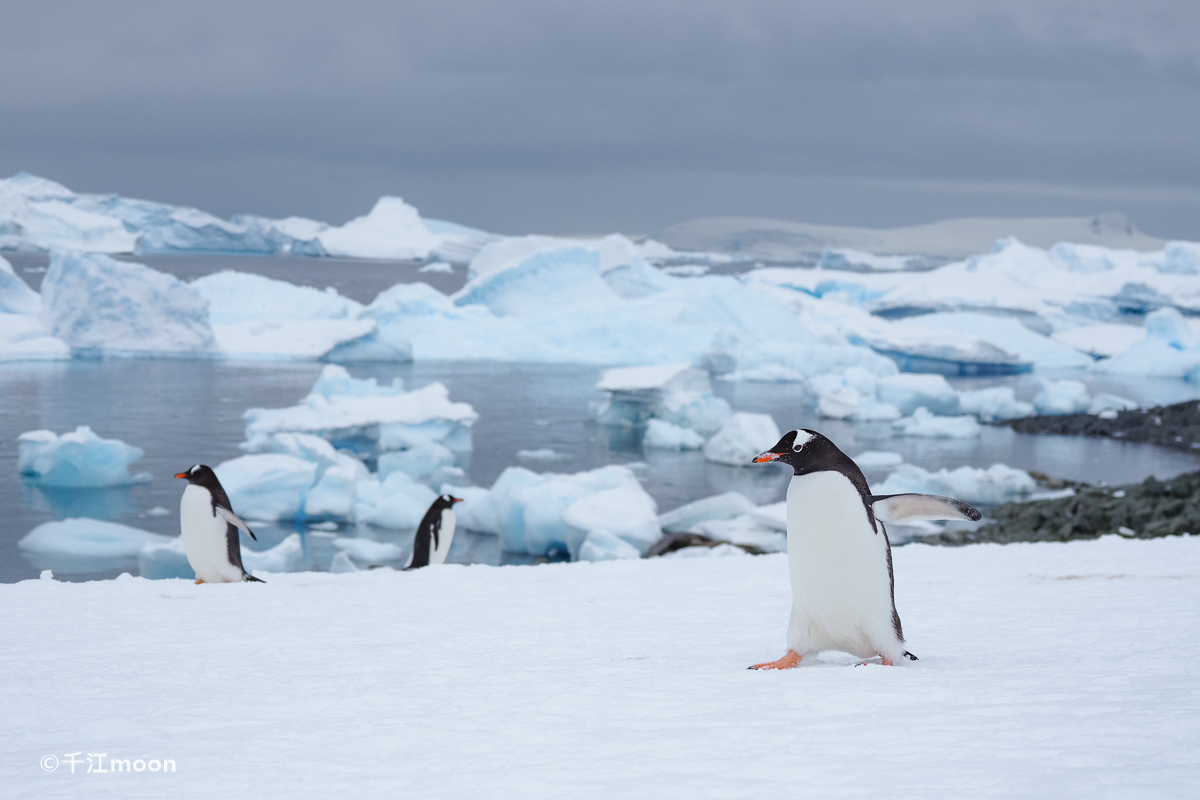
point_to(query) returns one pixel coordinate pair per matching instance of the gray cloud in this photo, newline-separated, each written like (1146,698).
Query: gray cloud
(578,117)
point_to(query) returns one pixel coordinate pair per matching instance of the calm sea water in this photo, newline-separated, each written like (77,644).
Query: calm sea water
(184,412)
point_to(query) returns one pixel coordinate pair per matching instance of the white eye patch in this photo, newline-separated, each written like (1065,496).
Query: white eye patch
(802,438)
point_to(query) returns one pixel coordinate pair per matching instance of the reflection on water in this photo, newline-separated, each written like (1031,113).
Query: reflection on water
(184,412)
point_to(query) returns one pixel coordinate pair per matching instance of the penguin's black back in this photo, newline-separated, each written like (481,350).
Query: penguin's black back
(427,532)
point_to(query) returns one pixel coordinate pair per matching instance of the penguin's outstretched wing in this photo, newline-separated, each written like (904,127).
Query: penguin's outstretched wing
(913,507)
(233,519)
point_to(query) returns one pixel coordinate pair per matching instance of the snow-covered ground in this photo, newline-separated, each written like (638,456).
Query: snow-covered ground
(1047,670)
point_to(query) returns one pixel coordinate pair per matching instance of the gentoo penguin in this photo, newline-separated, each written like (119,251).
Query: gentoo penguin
(437,525)
(838,552)
(209,529)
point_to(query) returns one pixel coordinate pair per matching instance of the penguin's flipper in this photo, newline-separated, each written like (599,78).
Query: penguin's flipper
(247,577)
(912,507)
(234,520)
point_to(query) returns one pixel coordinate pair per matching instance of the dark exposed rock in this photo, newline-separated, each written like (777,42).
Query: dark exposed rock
(677,541)
(1170,426)
(1147,510)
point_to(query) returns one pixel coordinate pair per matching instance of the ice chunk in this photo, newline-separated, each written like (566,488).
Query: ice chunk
(419,461)
(269,486)
(1103,340)
(721,506)
(373,422)
(928,425)
(398,502)
(1062,397)
(838,402)
(283,557)
(1003,333)
(297,339)
(335,381)
(909,391)
(601,545)
(367,551)
(998,483)
(876,459)
(767,373)
(626,512)
(740,439)
(993,403)
(77,459)
(541,454)
(1170,349)
(342,563)
(40,214)
(528,507)
(675,393)
(24,338)
(244,297)
(335,493)
(15,295)
(437,266)
(97,304)
(663,435)
(392,230)
(659,377)
(87,538)
(1110,402)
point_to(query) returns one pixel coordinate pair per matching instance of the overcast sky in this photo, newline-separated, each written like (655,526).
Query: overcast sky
(573,117)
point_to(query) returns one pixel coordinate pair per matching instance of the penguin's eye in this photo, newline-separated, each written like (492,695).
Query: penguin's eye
(797,448)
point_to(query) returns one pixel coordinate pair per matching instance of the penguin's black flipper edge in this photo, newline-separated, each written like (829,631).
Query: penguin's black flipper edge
(251,579)
(910,656)
(912,507)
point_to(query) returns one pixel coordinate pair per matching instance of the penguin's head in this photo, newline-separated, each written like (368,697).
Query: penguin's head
(199,474)
(798,449)
(448,500)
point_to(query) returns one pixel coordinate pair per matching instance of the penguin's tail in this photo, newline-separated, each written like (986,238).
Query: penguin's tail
(910,656)
(250,578)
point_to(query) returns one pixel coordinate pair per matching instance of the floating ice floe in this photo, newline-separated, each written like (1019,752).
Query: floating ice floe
(663,435)
(87,538)
(1062,397)
(99,305)
(541,454)
(78,459)
(998,483)
(543,513)
(994,403)
(673,393)
(25,338)
(1103,339)
(878,459)
(1170,349)
(925,424)
(370,423)
(743,436)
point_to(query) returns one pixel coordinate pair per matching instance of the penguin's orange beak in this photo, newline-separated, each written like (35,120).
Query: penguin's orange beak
(457,499)
(180,474)
(764,457)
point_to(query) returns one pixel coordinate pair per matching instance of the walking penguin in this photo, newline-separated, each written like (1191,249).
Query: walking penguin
(209,529)
(840,561)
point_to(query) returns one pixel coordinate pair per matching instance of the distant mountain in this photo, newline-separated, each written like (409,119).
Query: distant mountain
(780,240)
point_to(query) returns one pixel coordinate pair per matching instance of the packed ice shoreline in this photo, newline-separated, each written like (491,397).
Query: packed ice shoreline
(1046,669)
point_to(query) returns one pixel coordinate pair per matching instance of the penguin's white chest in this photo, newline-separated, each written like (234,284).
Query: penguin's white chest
(203,534)
(841,588)
(445,534)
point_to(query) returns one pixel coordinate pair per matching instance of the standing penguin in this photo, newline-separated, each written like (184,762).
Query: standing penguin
(437,525)
(209,529)
(839,557)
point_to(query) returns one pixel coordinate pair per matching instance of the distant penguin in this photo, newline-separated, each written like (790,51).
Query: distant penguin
(843,592)
(437,526)
(209,529)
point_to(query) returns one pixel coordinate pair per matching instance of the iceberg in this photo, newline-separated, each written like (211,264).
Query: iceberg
(741,438)
(370,423)
(528,509)
(673,393)
(15,295)
(908,391)
(877,459)
(392,230)
(244,297)
(1170,349)
(601,545)
(1102,340)
(717,507)
(85,538)
(994,403)
(99,305)
(39,214)
(267,486)
(925,424)
(1062,397)
(397,502)
(998,483)
(24,338)
(79,459)
(662,435)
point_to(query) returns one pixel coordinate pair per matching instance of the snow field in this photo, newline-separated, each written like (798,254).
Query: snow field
(1064,670)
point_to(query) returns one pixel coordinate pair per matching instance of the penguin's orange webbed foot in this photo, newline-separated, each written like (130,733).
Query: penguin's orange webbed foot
(198,580)
(789,660)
